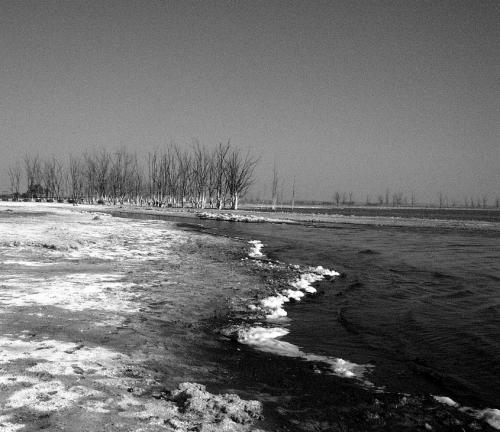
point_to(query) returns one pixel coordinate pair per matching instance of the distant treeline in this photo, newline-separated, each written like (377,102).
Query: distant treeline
(173,176)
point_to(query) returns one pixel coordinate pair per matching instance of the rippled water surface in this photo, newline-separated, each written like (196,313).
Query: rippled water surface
(422,305)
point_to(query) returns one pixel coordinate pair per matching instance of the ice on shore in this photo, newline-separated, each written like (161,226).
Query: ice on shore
(320,270)
(489,415)
(293,294)
(445,400)
(266,339)
(231,217)
(256,250)
(273,306)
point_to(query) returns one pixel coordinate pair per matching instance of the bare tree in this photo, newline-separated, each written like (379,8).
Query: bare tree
(218,177)
(201,170)
(274,187)
(397,199)
(337,198)
(76,178)
(174,175)
(52,178)
(33,170)
(15,180)
(441,200)
(90,176)
(184,173)
(120,175)
(153,167)
(239,175)
(102,163)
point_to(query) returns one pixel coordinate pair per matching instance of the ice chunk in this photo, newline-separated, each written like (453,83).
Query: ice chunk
(293,294)
(256,250)
(267,339)
(323,271)
(446,400)
(491,416)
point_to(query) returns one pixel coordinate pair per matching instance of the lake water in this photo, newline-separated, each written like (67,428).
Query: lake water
(421,305)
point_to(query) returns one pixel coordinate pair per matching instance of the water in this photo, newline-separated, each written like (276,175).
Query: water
(459,214)
(418,302)
(422,305)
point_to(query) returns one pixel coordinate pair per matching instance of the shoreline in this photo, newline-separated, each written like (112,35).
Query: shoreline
(249,214)
(363,408)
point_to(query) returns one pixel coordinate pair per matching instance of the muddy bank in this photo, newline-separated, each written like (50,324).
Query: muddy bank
(103,322)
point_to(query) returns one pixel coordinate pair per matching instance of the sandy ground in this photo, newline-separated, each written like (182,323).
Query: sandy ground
(99,317)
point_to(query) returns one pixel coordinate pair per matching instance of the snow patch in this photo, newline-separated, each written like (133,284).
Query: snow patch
(7,426)
(256,250)
(27,263)
(44,396)
(231,217)
(273,305)
(14,380)
(60,358)
(75,292)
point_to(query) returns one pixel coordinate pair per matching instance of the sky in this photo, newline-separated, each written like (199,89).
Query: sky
(345,96)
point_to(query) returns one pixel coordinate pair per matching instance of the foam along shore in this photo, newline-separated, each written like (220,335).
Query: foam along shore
(267,339)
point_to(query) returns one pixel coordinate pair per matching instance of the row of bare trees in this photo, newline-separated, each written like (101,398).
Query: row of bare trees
(175,176)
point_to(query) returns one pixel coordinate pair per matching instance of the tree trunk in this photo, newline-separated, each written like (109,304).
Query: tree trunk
(234,202)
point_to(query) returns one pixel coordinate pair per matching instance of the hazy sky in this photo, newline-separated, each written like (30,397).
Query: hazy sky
(345,95)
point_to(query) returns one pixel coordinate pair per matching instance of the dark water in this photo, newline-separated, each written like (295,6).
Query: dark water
(422,305)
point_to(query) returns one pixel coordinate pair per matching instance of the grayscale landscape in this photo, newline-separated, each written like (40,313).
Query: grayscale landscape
(249,216)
